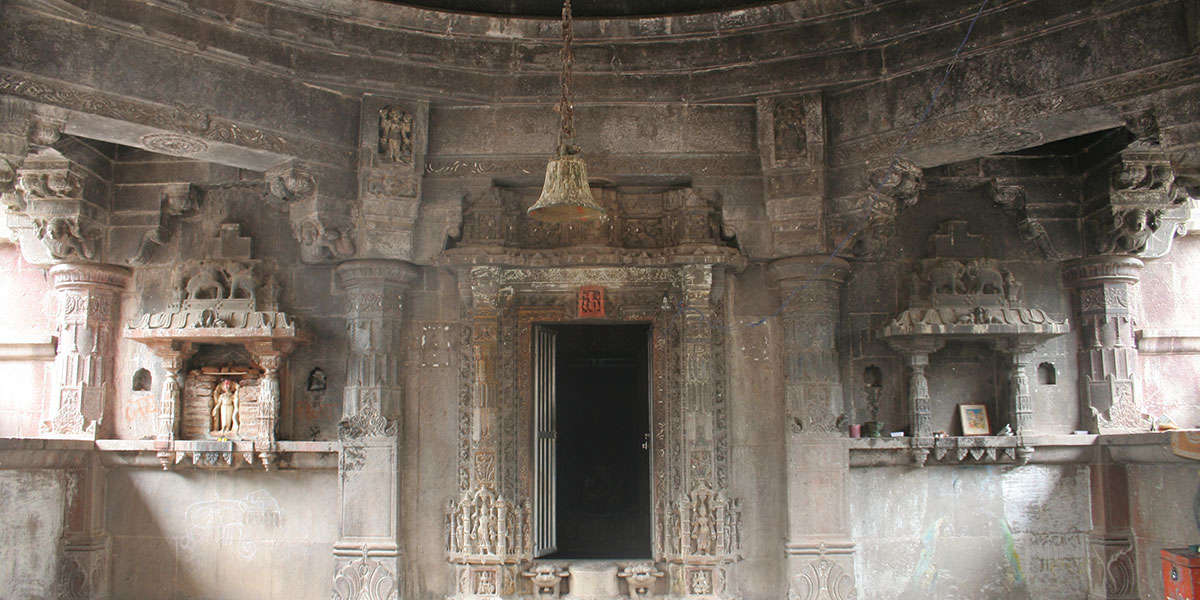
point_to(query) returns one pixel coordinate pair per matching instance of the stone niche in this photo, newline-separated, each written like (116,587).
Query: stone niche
(224,344)
(978,302)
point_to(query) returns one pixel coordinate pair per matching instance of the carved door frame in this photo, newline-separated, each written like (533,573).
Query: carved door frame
(689,417)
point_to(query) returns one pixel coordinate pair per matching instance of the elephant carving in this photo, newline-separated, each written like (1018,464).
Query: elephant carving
(985,279)
(946,278)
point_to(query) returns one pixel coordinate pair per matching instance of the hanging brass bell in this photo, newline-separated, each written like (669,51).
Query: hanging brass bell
(566,197)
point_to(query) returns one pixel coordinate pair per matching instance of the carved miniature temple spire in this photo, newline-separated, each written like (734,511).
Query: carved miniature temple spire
(1104,294)
(88,298)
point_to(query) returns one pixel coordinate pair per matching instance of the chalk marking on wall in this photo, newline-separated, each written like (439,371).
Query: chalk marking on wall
(226,522)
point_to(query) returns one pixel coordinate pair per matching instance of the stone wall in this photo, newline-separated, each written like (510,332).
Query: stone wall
(248,534)
(987,532)
(34,503)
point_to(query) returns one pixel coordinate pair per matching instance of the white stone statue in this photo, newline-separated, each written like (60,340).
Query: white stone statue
(225,406)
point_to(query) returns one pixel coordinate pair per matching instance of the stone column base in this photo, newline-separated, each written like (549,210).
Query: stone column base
(83,572)
(366,572)
(1112,567)
(821,570)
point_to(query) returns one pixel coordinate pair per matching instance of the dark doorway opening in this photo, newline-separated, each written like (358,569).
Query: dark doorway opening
(603,422)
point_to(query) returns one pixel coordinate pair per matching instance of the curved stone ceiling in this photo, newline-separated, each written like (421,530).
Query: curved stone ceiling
(582,8)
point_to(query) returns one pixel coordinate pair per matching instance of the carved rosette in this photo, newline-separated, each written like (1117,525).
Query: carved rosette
(88,297)
(1105,298)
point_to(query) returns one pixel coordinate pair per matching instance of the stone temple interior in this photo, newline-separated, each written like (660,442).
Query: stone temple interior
(890,299)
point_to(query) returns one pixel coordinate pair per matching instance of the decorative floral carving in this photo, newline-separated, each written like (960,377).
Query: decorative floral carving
(822,579)
(174,144)
(365,579)
(366,423)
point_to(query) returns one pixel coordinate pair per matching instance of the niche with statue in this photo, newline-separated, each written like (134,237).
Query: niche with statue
(224,344)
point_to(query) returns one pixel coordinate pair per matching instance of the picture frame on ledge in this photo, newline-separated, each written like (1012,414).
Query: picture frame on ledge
(974,419)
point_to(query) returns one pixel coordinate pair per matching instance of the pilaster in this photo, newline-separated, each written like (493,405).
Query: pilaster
(1105,299)
(820,554)
(367,552)
(88,306)
(86,550)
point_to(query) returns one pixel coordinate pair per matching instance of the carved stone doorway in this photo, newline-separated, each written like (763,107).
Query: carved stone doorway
(599,419)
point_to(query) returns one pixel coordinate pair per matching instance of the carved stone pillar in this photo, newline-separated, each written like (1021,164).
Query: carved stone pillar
(367,552)
(1020,396)
(820,553)
(174,357)
(88,307)
(271,358)
(1105,301)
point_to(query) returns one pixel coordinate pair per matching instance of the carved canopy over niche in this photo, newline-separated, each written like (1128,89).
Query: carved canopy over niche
(641,227)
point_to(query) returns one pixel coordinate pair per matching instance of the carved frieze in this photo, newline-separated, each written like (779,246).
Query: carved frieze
(668,226)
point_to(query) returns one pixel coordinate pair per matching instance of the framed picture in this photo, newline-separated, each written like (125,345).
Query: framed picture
(974,419)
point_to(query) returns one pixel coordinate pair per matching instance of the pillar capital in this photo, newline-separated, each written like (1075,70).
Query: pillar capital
(370,272)
(797,270)
(1105,268)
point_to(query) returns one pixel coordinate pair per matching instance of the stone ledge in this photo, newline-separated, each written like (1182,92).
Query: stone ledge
(40,347)
(44,453)
(1140,447)
(1169,341)
(203,454)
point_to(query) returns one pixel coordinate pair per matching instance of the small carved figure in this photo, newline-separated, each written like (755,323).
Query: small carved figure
(62,238)
(1130,231)
(271,291)
(205,285)
(1012,287)
(791,141)
(395,134)
(225,406)
(946,278)
(1007,431)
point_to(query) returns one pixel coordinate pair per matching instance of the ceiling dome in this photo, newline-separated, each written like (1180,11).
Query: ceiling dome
(582,8)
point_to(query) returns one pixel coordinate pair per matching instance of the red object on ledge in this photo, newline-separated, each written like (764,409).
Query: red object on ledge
(1181,573)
